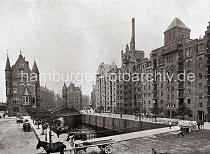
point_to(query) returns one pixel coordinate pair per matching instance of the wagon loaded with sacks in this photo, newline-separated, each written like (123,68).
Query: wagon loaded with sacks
(187,126)
(81,146)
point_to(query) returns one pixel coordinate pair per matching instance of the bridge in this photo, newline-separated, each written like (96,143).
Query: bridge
(65,111)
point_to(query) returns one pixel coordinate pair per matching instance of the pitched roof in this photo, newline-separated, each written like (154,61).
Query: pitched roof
(8,66)
(64,85)
(35,68)
(106,67)
(72,85)
(176,23)
(20,63)
(26,92)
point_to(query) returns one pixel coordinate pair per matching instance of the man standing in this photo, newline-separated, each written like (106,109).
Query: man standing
(170,124)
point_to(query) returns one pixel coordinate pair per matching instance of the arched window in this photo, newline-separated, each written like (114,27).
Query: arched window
(134,68)
(24,99)
(200,62)
(189,63)
(189,91)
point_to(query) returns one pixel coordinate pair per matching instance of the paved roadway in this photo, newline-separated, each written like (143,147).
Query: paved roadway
(13,140)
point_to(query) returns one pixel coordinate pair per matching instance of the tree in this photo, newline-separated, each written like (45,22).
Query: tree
(183,111)
(100,109)
(136,111)
(119,110)
(109,109)
(156,110)
(45,118)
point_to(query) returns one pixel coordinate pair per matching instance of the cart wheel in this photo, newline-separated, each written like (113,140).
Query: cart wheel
(81,152)
(108,149)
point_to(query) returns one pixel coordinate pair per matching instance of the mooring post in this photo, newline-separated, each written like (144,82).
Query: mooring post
(50,136)
(45,134)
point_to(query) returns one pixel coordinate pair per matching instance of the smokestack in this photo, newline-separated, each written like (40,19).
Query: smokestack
(132,43)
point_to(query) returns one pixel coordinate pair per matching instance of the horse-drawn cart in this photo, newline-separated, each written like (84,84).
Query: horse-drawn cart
(80,147)
(105,145)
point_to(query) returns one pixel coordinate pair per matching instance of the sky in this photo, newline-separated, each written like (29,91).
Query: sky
(76,36)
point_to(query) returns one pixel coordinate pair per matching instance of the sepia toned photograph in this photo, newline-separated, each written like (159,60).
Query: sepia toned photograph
(104,77)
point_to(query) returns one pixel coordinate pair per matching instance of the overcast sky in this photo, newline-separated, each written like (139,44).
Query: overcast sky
(76,36)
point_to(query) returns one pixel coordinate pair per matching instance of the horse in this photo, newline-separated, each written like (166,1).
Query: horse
(51,148)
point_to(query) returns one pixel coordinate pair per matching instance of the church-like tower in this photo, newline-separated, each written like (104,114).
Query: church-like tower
(64,95)
(22,88)
(8,78)
(35,70)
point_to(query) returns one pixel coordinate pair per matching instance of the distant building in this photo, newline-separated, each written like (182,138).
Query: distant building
(3,106)
(147,86)
(59,100)
(72,96)
(93,97)
(106,87)
(131,64)
(119,104)
(181,54)
(85,102)
(47,98)
(21,92)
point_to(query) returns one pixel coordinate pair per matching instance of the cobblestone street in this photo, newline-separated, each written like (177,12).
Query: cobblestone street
(13,140)
(195,143)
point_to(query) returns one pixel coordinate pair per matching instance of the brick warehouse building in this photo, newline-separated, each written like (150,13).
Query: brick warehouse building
(20,91)
(179,54)
(106,91)
(72,96)
(131,63)
(47,98)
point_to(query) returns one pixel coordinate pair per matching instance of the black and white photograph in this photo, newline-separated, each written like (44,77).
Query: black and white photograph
(104,77)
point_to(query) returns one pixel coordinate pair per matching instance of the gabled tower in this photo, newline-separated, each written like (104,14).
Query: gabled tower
(177,30)
(35,70)
(8,78)
(64,95)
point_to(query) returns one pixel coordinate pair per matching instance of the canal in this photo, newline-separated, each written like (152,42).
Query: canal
(75,125)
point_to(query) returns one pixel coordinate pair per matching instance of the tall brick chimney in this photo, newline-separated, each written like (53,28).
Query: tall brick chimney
(132,43)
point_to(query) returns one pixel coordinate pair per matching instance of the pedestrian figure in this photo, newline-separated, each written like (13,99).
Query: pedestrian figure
(181,132)
(170,124)
(202,124)
(198,123)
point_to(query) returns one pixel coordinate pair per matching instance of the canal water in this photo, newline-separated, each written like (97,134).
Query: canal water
(88,130)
